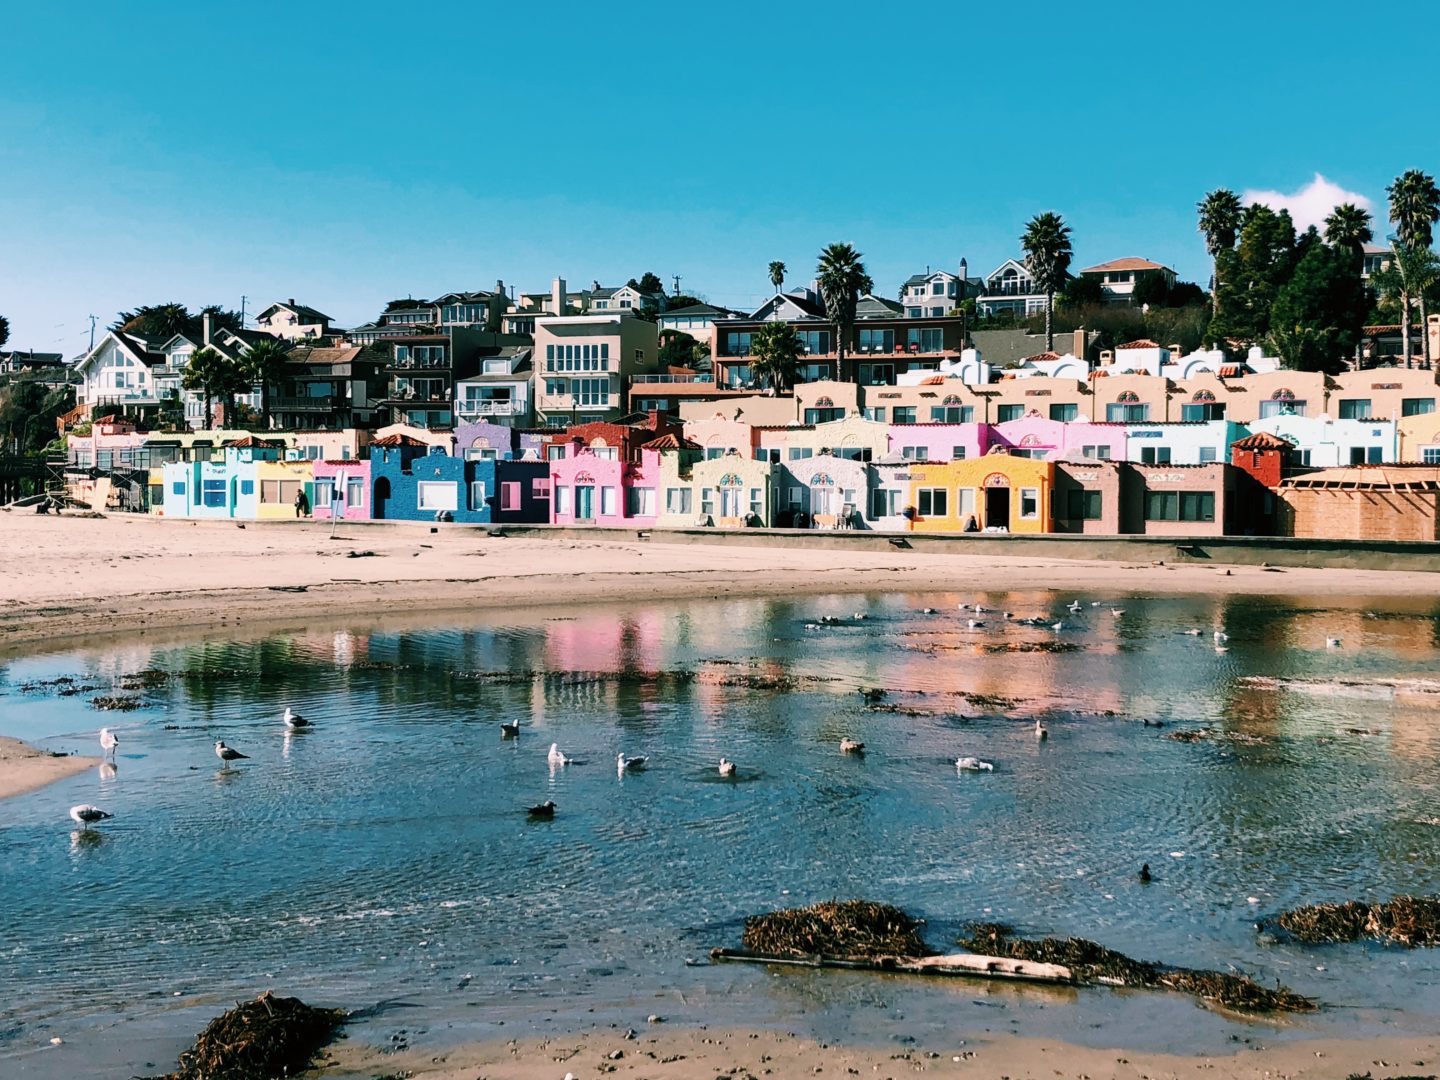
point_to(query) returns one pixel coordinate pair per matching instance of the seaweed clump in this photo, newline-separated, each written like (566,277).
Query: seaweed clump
(1094,963)
(1404,920)
(257,1040)
(854,929)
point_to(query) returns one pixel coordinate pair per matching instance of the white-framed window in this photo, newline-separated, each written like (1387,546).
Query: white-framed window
(957,453)
(354,491)
(964,502)
(639,356)
(562,499)
(915,453)
(677,500)
(932,502)
(1029,503)
(540,487)
(799,453)
(607,501)
(641,502)
(324,492)
(477,494)
(1430,455)
(757,502)
(886,503)
(707,501)
(797,498)
(437,495)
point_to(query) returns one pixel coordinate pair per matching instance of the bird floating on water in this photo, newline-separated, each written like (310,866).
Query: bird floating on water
(625,764)
(1194,631)
(981,609)
(293,719)
(975,624)
(1058,626)
(555,757)
(509,729)
(87,815)
(727,768)
(973,764)
(108,741)
(1075,607)
(861,615)
(1221,637)
(1144,874)
(851,746)
(1041,731)
(928,611)
(1117,611)
(545,810)
(226,753)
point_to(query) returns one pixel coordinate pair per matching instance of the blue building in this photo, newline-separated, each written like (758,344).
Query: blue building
(413,481)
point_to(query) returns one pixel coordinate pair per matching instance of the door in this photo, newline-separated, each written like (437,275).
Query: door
(997,508)
(379,503)
(585,503)
(731,505)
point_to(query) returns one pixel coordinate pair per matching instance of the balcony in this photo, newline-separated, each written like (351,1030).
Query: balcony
(304,404)
(470,409)
(441,363)
(649,380)
(574,403)
(131,396)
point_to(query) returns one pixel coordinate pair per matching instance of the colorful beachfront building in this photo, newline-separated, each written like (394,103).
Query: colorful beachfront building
(1036,436)
(249,481)
(999,492)
(733,492)
(413,481)
(938,441)
(587,489)
(1418,439)
(1321,442)
(824,492)
(343,485)
(719,434)
(1181,442)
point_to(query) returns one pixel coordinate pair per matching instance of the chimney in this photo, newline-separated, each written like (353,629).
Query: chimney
(1106,358)
(557,296)
(1077,343)
(292,301)
(205,323)
(500,287)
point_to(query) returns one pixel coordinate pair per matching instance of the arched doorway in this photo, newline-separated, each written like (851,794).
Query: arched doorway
(997,501)
(379,503)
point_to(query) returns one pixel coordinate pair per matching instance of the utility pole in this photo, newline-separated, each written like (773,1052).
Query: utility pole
(92,319)
(676,291)
(243,298)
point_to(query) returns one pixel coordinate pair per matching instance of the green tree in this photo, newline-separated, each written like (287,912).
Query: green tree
(1186,294)
(1252,274)
(1414,208)
(1409,275)
(842,277)
(1348,228)
(1046,243)
(1300,348)
(4,331)
(777,274)
(649,283)
(677,348)
(158,322)
(207,374)
(264,366)
(1326,295)
(1151,289)
(1219,221)
(1081,292)
(775,354)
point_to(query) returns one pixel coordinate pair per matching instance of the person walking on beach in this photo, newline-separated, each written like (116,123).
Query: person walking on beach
(302,504)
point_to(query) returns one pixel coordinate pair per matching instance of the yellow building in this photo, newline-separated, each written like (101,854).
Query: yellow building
(279,483)
(999,491)
(1419,439)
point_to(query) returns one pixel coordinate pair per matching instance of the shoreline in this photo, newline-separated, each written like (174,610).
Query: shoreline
(702,1053)
(89,579)
(25,768)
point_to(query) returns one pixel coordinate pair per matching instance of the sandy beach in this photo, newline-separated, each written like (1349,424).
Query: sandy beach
(24,768)
(703,1054)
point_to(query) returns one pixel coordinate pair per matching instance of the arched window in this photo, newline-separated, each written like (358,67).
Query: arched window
(824,403)
(1283,395)
(1203,397)
(952,399)
(1128,397)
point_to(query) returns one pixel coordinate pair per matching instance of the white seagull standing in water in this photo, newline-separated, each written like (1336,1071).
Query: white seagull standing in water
(86,815)
(108,741)
(851,746)
(1041,731)
(509,729)
(294,720)
(625,764)
(973,764)
(227,754)
(555,757)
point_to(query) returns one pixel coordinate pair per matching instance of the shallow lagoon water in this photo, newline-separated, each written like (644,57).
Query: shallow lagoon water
(385,854)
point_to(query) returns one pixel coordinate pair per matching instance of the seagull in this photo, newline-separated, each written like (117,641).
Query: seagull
(1192,632)
(861,615)
(555,757)
(87,815)
(1075,607)
(975,624)
(1117,611)
(625,764)
(973,764)
(1041,731)
(1008,614)
(963,607)
(1332,643)
(1094,603)
(1222,648)
(545,810)
(1221,637)
(1144,874)
(293,719)
(510,730)
(226,754)
(108,741)
(850,746)
(1058,626)
(727,768)
(928,611)
(981,609)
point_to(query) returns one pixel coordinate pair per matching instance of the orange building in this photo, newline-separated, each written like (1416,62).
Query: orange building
(998,492)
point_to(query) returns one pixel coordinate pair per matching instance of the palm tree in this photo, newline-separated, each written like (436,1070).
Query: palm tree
(1348,228)
(205,375)
(1220,222)
(1409,273)
(842,277)
(1046,243)
(1414,207)
(265,367)
(777,274)
(775,354)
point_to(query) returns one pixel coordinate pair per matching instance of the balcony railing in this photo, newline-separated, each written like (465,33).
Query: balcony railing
(569,402)
(491,408)
(409,397)
(412,364)
(651,379)
(303,404)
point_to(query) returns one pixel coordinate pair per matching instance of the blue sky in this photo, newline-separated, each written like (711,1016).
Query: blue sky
(343,154)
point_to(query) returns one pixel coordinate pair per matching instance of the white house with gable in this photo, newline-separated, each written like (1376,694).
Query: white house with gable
(1321,442)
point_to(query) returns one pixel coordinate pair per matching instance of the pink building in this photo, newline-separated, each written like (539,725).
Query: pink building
(939,442)
(1036,436)
(347,481)
(586,489)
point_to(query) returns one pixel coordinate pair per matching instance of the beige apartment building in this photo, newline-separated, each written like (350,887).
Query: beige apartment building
(584,364)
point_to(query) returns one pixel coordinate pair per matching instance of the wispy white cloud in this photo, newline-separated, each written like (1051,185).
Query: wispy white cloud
(1311,204)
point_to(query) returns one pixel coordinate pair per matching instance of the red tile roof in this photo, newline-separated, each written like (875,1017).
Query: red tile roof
(252,442)
(1141,343)
(1261,440)
(399,439)
(670,442)
(1130,262)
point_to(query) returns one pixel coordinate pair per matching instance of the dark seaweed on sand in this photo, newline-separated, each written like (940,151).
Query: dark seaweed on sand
(1405,920)
(855,929)
(1093,963)
(257,1040)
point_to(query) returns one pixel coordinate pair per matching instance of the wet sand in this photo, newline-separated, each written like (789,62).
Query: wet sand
(24,768)
(701,1054)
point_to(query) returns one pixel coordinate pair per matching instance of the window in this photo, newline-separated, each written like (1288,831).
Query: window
(1155,455)
(1366,455)
(555,452)
(812,341)
(677,500)
(354,491)
(854,453)
(477,494)
(1029,503)
(937,288)
(1081,505)
(964,502)
(177,488)
(439,495)
(757,502)
(1126,413)
(1208,410)
(928,340)
(902,414)
(823,416)
(1099,453)
(607,501)
(640,356)
(799,453)
(936,312)
(707,501)
(737,344)
(877,374)
(247,487)
(1207,455)
(1008,412)
(1281,408)
(212,493)
(1180,506)
(797,498)
(640,502)
(932,502)
(876,413)
(510,495)
(1416,406)
(1355,409)
(952,414)
(1064,413)
(915,453)
(812,372)
(913,312)
(885,503)
(324,492)
(875,341)
(540,487)
(562,499)
(1429,455)
(957,453)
